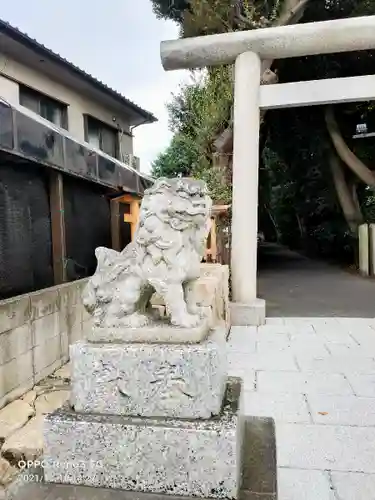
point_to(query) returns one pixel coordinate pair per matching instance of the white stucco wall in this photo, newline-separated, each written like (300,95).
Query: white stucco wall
(78,105)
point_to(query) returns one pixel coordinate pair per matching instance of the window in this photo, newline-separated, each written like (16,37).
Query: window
(50,109)
(102,136)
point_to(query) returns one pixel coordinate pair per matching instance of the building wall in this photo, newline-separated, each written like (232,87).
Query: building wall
(26,253)
(25,229)
(12,71)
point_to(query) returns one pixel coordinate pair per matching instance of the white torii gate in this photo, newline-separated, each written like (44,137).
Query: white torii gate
(246,49)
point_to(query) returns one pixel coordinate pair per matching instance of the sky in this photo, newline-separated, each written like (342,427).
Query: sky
(118,42)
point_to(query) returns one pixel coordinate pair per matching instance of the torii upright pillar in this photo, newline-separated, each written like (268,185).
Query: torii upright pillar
(245,307)
(246,49)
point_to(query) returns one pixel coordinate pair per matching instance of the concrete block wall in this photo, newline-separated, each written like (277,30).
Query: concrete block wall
(35,332)
(36,329)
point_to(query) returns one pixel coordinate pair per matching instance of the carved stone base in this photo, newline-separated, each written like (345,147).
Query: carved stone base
(150,380)
(181,457)
(158,332)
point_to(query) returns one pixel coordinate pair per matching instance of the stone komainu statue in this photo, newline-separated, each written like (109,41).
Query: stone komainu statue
(164,256)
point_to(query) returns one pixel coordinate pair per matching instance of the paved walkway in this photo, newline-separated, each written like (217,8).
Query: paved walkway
(316,378)
(294,285)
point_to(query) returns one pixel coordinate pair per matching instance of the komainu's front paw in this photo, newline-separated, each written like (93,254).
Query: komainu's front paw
(134,320)
(187,320)
(196,310)
(137,320)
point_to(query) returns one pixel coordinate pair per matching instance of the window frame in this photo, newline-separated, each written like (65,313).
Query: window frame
(86,118)
(39,97)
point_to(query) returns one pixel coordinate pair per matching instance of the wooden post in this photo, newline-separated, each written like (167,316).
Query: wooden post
(115,225)
(133,216)
(212,252)
(211,249)
(58,226)
(213,246)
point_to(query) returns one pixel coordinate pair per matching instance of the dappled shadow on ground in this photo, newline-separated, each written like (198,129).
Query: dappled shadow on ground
(294,285)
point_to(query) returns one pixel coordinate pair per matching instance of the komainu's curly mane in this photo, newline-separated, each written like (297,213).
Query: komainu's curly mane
(165,257)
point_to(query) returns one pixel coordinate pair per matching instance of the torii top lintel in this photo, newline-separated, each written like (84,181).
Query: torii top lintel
(326,37)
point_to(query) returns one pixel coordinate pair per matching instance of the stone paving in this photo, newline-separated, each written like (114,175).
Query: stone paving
(21,422)
(316,378)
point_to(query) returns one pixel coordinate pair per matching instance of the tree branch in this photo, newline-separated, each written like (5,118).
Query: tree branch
(342,149)
(214,13)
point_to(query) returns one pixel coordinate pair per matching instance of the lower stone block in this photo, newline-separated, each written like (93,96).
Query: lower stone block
(150,380)
(178,457)
(253,314)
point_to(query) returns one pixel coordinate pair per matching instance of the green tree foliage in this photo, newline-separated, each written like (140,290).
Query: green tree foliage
(299,187)
(298,201)
(301,193)
(197,114)
(177,160)
(204,17)
(170,9)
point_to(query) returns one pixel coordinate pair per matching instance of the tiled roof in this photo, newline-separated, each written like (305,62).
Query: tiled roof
(24,39)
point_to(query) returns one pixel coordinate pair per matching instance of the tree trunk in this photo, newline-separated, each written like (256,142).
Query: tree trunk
(301,228)
(220,166)
(352,213)
(291,13)
(342,149)
(355,198)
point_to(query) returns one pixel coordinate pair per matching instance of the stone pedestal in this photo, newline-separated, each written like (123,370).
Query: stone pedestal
(150,380)
(372,248)
(363,249)
(175,456)
(149,417)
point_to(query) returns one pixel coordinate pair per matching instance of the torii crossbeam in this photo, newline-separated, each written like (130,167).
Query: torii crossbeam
(246,49)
